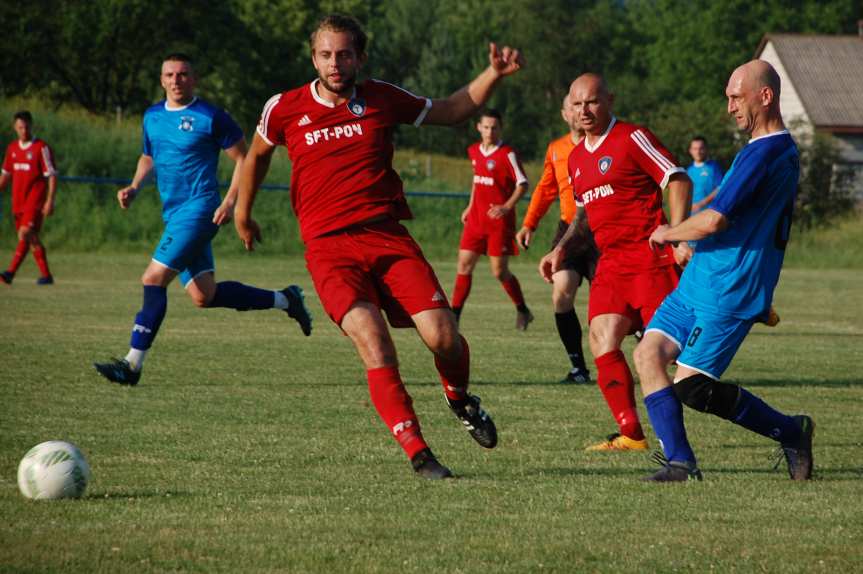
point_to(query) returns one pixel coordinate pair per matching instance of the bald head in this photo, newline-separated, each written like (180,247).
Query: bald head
(591,103)
(753,97)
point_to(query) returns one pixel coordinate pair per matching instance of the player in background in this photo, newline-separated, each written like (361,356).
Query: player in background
(489,219)
(580,258)
(727,286)
(618,172)
(706,174)
(349,200)
(29,163)
(183,136)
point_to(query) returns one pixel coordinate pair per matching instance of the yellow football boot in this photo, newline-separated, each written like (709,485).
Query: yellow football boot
(617,441)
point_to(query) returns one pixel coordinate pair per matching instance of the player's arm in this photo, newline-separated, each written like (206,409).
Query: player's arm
(4,180)
(467,209)
(463,103)
(255,167)
(701,225)
(237,153)
(498,211)
(48,206)
(679,204)
(551,262)
(699,205)
(544,194)
(142,173)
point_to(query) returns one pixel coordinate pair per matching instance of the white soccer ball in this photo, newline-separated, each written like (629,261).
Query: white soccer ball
(53,469)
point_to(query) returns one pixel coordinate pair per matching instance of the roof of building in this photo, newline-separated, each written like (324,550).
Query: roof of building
(827,72)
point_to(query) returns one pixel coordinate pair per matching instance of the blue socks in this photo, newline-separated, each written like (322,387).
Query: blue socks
(756,415)
(149,318)
(235,295)
(666,417)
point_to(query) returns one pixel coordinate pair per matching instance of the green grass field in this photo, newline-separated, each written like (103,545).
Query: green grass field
(249,448)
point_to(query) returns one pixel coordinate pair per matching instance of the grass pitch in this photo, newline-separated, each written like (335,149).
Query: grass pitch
(249,448)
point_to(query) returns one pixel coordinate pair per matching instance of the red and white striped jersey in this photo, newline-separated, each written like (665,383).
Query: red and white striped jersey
(496,173)
(619,182)
(30,165)
(341,156)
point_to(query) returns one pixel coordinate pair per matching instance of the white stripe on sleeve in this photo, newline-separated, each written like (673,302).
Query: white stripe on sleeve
(519,175)
(648,148)
(265,117)
(49,164)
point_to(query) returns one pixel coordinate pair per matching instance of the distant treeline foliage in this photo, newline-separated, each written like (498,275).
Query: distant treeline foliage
(667,60)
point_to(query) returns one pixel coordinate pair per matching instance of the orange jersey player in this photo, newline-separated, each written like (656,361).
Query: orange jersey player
(580,260)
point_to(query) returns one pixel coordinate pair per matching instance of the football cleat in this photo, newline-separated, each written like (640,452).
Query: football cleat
(297,309)
(119,371)
(477,422)
(673,471)
(523,319)
(798,455)
(618,441)
(46,280)
(6,277)
(576,376)
(427,466)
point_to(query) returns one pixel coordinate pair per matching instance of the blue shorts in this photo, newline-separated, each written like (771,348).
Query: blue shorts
(185,248)
(707,341)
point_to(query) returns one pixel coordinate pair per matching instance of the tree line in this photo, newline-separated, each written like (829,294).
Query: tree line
(666,60)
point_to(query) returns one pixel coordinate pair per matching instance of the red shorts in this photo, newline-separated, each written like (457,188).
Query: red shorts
(636,296)
(493,240)
(379,263)
(32,218)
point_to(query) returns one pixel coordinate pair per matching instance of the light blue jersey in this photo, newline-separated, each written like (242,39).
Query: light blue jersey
(734,272)
(185,144)
(705,178)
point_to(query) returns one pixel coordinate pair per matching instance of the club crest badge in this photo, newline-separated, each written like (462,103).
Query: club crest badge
(187,123)
(29,155)
(604,164)
(489,165)
(357,106)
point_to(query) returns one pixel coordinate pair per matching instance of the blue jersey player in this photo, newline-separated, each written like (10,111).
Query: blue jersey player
(706,174)
(726,287)
(183,137)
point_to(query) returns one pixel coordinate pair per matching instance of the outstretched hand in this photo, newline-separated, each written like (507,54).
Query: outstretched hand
(505,61)
(249,232)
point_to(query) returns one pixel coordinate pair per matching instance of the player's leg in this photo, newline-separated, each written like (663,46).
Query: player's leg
(500,270)
(39,253)
(199,280)
(465,265)
(614,379)
(707,352)
(155,281)
(652,357)
(21,248)
(565,285)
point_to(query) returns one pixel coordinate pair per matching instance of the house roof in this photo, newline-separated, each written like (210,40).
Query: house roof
(827,72)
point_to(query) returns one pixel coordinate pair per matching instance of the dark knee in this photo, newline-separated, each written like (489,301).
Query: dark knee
(701,393)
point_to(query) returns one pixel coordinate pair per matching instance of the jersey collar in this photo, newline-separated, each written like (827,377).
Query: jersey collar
(27,145)
(194,99)
(491,150)
(593,148)
(779,133)
(321,100)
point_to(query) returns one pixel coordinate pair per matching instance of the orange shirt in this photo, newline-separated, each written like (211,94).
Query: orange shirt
(554,183)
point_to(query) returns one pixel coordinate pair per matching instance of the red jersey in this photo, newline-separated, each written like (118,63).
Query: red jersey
(496,173)
(30,165)
(619,182)
(341,155)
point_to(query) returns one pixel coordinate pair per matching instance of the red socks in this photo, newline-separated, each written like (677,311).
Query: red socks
(615,381)
(513,289)
(455,375)
(20,253)
(461,290)
(41,260)
(395,408)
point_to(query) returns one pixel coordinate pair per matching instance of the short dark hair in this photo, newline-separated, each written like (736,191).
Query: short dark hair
(178,57)
(24,116)
(698,138)
(341,23)
(491,113)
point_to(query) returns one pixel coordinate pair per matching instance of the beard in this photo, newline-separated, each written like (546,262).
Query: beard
(345,85)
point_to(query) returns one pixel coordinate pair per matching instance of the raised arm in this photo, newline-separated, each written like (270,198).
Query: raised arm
(254,170)
(463,103)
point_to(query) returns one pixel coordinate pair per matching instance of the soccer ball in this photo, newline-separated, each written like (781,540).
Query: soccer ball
(53,469)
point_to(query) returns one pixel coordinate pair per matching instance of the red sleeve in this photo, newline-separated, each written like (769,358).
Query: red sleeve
(571,167)
(271,122)
(515,166)
(403,107)
(651,156)
(46,161)
(7,161)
